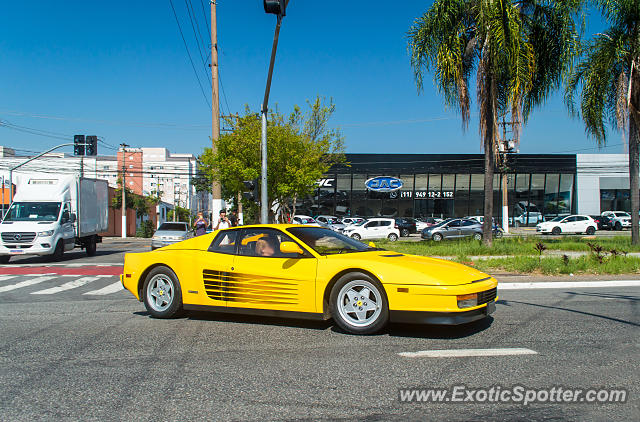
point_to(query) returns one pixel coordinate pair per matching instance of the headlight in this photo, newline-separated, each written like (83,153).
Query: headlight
(46,233)
(175,237)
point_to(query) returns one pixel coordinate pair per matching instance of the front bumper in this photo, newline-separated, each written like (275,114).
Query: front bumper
(36,248)
(159,243)
(442,318)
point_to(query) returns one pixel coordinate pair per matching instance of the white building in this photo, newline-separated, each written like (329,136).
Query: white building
(148,171)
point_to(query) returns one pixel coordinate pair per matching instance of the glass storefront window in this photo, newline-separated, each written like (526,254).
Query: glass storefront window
(405,198)
(551,196)
(461,196)
(565,195)
(343,194)
(476,199)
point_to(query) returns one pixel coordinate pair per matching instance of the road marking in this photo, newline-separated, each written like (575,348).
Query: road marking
(66,286)
(459,353)
(26,283)
(111,288)
(7,277)
(567,284)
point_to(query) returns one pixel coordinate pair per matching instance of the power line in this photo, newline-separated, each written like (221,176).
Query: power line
(196,35)
(189,54)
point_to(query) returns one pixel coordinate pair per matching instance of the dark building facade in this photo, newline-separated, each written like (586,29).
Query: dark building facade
(446,185)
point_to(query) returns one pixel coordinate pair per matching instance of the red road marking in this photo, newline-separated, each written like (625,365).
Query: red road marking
(88,270)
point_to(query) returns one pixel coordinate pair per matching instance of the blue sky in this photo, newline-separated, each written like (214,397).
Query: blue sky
(120,70)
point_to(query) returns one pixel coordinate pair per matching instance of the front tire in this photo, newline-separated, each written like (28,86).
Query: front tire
(58,253)
(392,237)
(499,234)
(556,231)
(359,304)
(618,226)
(437,237)
(404,232)
(477,236)
(90,247)
(4,259)
(162,293)
(356,236)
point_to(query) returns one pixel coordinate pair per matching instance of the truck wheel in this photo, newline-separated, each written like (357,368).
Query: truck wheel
(4,259)
(90,246)
(58,253)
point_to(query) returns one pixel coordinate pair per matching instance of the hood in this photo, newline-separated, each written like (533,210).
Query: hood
(198,243)
(399,268)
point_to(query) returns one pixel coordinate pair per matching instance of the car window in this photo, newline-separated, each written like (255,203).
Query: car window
(621,214)
(467,223)
(263,242)
(327,242)
(581,218)
(569,220)
(224,242)
(297,220)
(371,224)
(173,226)
(385,223)
(454,223)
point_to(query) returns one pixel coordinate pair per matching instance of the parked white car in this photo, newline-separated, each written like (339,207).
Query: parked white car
(331,222)
(304,219)
(568,224)
(347,221)
(374,228)
(619,219)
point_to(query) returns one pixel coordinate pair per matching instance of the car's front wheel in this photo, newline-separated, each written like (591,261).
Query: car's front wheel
(358,304)
(355,236)
(556,231)
(618,226)
(499,234)
(437,237)
(162,294)
(4,259)
(477,236)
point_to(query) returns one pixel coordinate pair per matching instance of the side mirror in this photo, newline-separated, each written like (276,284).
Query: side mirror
(73,217)
(291,247)
(65,217)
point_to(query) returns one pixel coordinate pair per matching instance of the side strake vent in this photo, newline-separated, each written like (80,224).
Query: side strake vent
(392,255)
(235,287)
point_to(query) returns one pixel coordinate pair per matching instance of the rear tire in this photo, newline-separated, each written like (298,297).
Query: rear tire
(356,236)
(392,237)
(477,236)
(358,304)
(90,247)
(591,231)
(404,232)
(162,293)
(618,226)
(499,234)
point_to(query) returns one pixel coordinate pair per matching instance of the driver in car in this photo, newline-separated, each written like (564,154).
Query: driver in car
(266,246)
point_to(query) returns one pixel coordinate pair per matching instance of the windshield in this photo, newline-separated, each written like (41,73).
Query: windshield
(560,218)
(359,223)
(173,226)
(328,242)
(306,220)
(33,211)
(621,214)
(440,224)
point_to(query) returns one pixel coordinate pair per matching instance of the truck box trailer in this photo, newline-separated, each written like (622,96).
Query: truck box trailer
(51,214)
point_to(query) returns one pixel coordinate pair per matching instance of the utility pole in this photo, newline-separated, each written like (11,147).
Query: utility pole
(124,192)
(216,190)
(506,146)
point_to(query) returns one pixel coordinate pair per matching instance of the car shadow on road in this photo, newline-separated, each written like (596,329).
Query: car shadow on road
(428,331)
(262,320)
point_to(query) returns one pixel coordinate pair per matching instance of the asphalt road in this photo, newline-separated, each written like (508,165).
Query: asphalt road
(68,355)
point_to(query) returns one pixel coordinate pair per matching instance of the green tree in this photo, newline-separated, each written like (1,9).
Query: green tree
(518,51)
(182,214)
(608,78)
(301,148)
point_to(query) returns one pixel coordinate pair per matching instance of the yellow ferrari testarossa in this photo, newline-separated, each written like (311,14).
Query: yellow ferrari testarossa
(306,272)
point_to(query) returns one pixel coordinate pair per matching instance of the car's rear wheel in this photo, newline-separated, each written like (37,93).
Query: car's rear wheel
(90,247)
(392,237)
(618,226)
(404,232)
(162,294)
(499,234)
(355,236)
(556,231)
(437,237)
(477,236)
(591,230)
(358,304)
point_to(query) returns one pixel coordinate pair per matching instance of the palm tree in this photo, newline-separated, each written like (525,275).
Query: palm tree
(609,76)
(519,51)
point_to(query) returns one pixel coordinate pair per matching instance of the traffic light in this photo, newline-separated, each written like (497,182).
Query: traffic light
(91,147)
(277,7)
(251,190)
(78,145)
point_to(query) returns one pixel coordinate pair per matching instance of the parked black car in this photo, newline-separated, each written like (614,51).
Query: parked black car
(604,222)
(406,226)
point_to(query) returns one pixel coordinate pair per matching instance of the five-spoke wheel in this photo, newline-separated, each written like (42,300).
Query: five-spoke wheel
(162,295)
(359,304)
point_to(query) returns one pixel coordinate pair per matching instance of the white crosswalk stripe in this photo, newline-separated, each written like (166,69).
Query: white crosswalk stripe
(26,283)
(111,288)
(7,277)
(67,286)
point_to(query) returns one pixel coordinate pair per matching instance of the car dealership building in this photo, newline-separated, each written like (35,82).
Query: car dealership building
(452,185)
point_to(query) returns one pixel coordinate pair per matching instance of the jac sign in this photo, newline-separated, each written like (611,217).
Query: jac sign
(383,184)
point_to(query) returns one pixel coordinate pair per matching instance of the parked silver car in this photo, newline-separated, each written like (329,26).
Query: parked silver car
(457,228)
(170,233)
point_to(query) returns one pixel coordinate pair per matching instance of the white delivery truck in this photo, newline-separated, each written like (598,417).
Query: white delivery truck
(51,214)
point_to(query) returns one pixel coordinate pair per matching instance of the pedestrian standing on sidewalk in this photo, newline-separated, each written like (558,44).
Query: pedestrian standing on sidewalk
(223,221)
(201,225)
(233,218)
